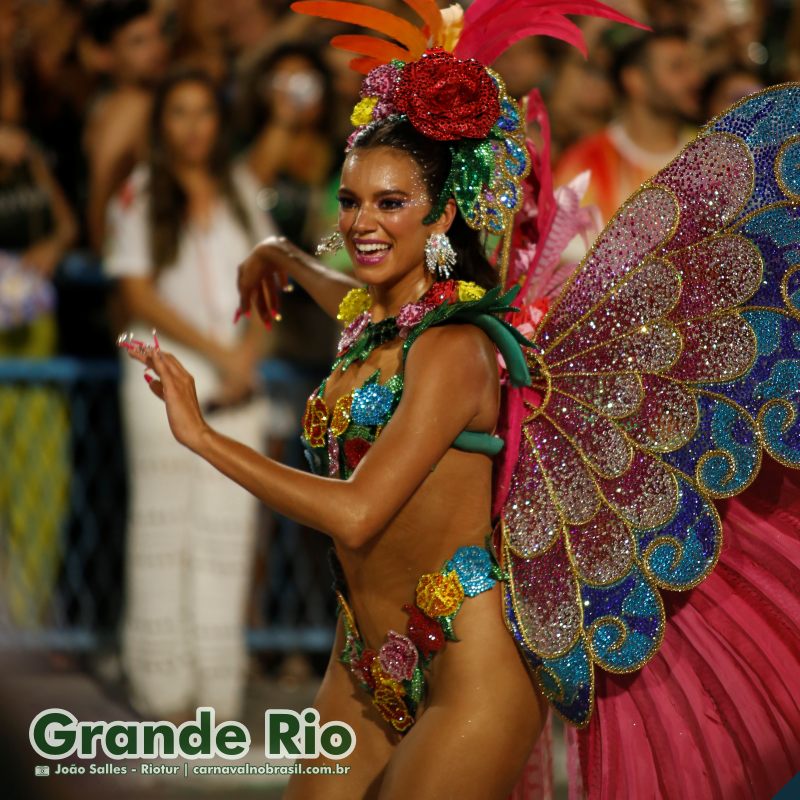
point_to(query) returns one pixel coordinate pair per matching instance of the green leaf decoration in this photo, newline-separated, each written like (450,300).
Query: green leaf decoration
(416,686)
(447,627)
(374,335)
(483,312)
(496,571)
(470,173)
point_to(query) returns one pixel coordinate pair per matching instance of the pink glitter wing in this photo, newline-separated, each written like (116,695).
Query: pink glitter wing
(665,367)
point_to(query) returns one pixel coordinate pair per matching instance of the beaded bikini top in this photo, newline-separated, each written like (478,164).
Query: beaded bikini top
(336,439)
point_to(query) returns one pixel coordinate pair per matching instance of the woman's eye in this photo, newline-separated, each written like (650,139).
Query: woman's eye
(346,203)
(390,205)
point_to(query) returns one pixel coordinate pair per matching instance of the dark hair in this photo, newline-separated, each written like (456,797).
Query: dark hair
(107,17)
(168,202)
(635,51)
(434,160)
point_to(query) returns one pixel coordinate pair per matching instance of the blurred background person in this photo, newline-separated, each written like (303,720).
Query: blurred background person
(580,101)
(128,47)
(658,84)
(286,113)
(288,105)
(256,27)
(37,226)
(722,89)
(200,37)
(44,85)
(527,64)
(177,232)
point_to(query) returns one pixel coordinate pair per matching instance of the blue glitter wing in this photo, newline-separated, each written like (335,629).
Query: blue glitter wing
(667,365)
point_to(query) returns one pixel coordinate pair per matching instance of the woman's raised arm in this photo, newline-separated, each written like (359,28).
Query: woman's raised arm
(264,273)
(450,375)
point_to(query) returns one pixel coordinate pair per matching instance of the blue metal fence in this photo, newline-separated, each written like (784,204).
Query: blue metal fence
(84,602)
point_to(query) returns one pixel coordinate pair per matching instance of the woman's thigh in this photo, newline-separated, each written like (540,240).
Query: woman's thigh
(483,715)
(340,699)
(458,753)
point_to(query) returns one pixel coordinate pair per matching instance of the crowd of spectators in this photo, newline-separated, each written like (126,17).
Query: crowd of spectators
(154,141)
(77,81)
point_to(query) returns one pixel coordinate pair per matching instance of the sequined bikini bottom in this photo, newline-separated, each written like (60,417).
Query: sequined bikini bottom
(394,675)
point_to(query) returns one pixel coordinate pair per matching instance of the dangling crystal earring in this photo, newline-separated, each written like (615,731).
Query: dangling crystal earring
(332,243)
(439,255)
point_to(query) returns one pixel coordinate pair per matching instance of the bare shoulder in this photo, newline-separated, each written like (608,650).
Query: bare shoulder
(459,347)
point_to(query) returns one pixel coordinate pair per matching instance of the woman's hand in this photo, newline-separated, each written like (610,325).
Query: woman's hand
(262,277)
(175,386)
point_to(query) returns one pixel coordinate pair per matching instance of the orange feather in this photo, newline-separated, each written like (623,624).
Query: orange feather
(382,21)
(371,46)
(429,12)
(364,65)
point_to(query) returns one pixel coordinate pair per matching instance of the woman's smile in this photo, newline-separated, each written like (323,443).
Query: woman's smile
(371,251)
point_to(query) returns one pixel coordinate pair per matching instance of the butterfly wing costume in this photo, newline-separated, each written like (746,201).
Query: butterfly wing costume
(664,370)
(659,613)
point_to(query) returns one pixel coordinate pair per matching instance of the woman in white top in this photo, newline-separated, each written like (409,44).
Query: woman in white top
(175,229)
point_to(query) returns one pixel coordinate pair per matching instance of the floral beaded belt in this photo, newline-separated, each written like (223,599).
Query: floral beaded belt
(394,675)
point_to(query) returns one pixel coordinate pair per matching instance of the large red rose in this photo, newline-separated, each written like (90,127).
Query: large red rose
(447,98)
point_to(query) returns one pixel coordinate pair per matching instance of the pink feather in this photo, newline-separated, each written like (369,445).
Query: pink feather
(720,697)
(510,28)
(503,20)
(547,220)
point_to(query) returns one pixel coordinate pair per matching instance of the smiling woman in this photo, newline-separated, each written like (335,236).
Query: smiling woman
(381,198)
(401,440)
(479,574)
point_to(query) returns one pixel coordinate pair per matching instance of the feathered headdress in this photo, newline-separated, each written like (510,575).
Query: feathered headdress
(437,75)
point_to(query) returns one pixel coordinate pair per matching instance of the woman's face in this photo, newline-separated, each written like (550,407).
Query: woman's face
(382,202)
(190,123)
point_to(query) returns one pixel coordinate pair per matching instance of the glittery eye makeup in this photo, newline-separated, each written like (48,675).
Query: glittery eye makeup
(393,200)
(392,203)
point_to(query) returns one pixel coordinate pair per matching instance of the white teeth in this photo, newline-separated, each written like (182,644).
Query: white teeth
(371,248)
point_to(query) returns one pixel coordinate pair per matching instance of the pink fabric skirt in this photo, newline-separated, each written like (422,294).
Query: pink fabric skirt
(716,713)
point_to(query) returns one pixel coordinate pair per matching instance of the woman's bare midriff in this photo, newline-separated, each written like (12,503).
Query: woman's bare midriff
(448,510)
(478,680)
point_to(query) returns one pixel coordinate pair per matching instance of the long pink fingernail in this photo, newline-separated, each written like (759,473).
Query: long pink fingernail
(148,377)
(155,339)
(237,315)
